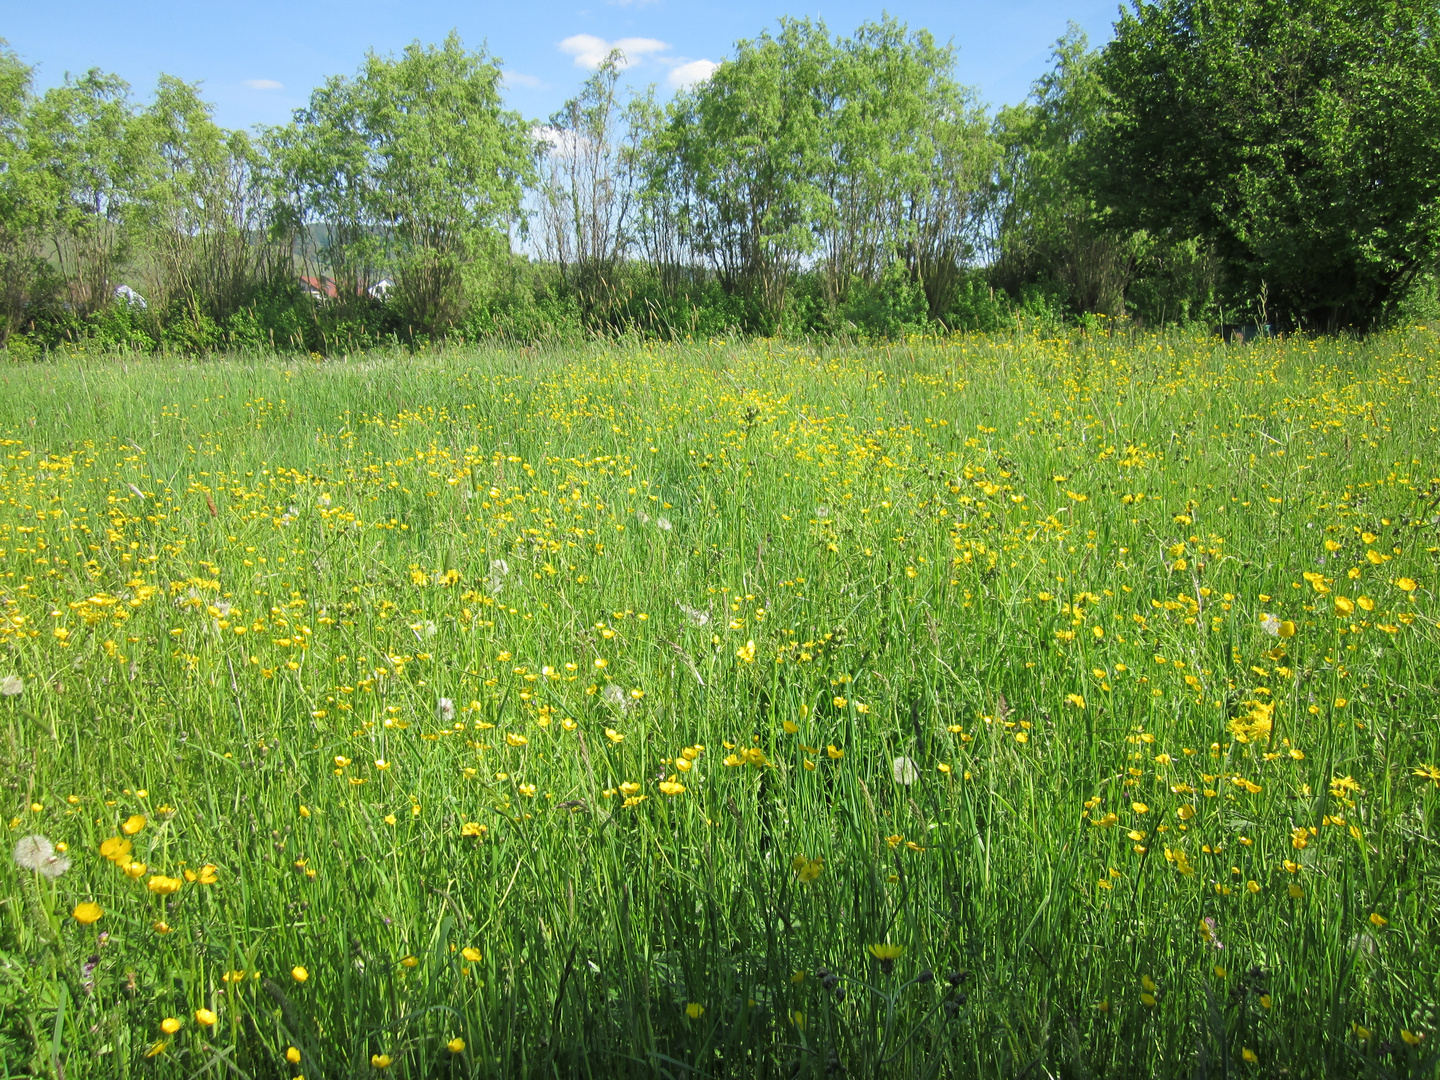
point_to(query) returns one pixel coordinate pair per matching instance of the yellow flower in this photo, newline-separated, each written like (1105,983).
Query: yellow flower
(157,1048)
(1148,984)
(694,1010)
(886,951)
(299,974)
(473,828)
(834,751)
(512,739)
(471,953)
(169,1025)
(133,824)
(746,652)
(1139,808)
(1378,919)
(134,870)
(790,727)
(160,926)
(670,787)
(456,1045)
(1076,700)
(614,736)
(380,1061)
(1147,999)
(114,849)
(205,1018)
(410,962)
(1406,584)
(87,912)
(292,1055)
(1248,1056)
(1410,1037)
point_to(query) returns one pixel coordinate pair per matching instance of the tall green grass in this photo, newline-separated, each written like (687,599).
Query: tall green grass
(978,649)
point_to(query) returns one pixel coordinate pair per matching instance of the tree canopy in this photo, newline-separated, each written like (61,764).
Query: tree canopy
(1298,138)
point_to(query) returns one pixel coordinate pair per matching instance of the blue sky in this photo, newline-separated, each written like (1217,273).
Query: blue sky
(257,61)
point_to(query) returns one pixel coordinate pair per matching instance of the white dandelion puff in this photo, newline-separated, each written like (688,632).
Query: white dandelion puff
(694,616)
(498,569)
(663,524)
(445,709)
(11,686)
(38,854)
(1270,624)
(642,517)
(905,771)
(138,493)
(615,696)
(324,502)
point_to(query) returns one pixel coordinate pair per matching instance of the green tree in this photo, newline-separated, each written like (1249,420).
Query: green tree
(907,159)
(739,157)
(1052,230)
(1297,136)
(202,208)
(83,134)
(27,198)
(412,165)
(588,189)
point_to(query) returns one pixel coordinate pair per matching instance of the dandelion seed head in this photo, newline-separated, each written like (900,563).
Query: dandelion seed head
(905,770)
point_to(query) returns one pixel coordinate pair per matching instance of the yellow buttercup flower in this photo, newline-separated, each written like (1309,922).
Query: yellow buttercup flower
(87,912)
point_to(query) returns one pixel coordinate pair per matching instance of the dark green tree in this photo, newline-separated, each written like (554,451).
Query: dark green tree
(1299,137)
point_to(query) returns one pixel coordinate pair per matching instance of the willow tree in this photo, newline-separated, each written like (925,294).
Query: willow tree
(412,167)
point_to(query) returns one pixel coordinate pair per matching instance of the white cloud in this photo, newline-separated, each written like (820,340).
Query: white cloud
(515,78)
(560,143)
(590,51)
(264,84)
(696,71)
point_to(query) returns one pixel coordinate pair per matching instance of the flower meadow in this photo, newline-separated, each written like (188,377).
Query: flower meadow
(989,706)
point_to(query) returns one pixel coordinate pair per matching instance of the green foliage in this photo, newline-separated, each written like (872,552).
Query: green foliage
(414,167)
(844,152)
(1298,139)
